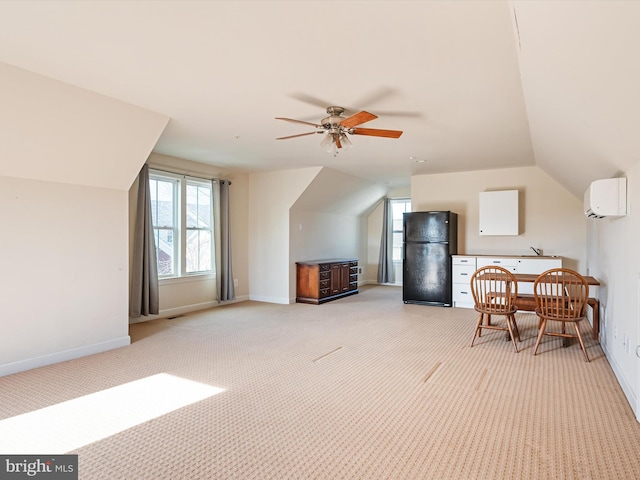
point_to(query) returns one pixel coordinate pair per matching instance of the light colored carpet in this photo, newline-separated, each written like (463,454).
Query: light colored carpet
(362,388)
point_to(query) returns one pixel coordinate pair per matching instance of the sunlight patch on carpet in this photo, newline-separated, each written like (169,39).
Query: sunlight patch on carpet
(69,425)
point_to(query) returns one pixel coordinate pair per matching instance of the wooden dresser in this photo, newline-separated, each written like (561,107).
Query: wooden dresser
(321,281)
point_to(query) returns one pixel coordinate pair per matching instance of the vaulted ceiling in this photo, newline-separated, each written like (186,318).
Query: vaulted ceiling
(473,85)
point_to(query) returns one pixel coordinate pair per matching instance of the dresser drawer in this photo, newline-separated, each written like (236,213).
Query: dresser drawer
(510,264)
(462,294)
(463,273)
(323,281)
(461,260)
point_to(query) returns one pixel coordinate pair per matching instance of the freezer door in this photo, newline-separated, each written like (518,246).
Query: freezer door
(427,227)
(427,274)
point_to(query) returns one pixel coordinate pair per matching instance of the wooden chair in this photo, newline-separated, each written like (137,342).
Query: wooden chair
(494,292)
(561,296)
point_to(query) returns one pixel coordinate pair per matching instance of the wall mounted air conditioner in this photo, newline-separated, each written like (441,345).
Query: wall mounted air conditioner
(606,198)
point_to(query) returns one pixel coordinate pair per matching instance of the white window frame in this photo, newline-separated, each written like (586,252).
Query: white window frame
(407,202)
(180,230)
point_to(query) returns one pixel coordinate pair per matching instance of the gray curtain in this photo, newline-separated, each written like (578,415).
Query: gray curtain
(222,241)
(144,277)
(386,272)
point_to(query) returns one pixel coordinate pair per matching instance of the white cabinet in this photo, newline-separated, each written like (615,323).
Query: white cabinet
(498,213)
(510,263)
(463,268)
(535,265)
(465,265)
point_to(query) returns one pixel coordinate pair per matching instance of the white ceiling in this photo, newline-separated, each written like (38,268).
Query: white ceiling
(469,89)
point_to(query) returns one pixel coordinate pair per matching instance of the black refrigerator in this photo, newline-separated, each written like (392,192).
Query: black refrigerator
(430,238)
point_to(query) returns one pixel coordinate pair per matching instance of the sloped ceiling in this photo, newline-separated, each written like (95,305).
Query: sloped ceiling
(53,131)
(581,80)
(337,193)
(473,84)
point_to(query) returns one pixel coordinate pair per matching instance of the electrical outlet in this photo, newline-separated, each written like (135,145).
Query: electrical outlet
(615,332)
(235,282)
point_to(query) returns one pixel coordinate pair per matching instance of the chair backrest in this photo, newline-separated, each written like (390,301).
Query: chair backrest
(494,290)
(561,293)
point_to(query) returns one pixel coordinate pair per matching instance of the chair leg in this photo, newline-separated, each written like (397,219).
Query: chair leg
(478,330)
(509,319)
(584,350)
(543,325)
(515,325)
(566,341)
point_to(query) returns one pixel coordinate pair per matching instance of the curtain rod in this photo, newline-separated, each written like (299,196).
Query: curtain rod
(187,174)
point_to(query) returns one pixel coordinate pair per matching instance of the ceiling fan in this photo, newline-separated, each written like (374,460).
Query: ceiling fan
(335,127)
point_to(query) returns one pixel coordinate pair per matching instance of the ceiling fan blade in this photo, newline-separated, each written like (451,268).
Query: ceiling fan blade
(357,119)
(399,113)
(374,132)
(369,99)
(298,121)
(338,142)
(299,135)
(375,96)
(303,97)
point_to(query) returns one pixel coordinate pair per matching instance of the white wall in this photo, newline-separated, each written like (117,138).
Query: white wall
(319,235)
(550,217)
(65,272)
(614,258)
(329,220)
(67,158)
(271,195)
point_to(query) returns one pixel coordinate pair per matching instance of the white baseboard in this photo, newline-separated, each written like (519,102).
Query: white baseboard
(63,356)
(260,298)
(173,312)
(626,388)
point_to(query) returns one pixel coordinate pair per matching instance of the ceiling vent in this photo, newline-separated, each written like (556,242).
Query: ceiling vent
(606,198)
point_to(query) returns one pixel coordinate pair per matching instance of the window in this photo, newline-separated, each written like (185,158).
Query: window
(182,223)
(198,224)
(398,207)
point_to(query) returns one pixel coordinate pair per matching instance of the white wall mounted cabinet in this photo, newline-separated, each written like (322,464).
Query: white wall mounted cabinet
(498,213)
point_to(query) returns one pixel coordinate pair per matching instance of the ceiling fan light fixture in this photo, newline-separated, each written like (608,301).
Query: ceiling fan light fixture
(328,144)
(346,143)
(336,127)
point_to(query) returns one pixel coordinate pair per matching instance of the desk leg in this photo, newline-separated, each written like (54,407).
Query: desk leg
(595,306)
